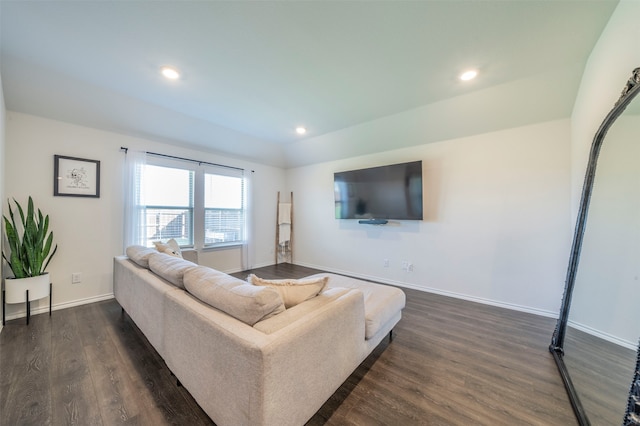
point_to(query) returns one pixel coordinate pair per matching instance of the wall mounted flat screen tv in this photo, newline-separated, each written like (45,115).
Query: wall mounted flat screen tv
(386,192)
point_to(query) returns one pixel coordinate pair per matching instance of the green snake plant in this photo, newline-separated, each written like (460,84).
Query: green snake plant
(29,253)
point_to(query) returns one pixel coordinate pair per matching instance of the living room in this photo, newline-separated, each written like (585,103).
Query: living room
(499,202)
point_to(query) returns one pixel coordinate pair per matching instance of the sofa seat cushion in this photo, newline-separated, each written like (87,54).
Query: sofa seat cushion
(170,268)
(140,255)
(235,297)
(381,302)
(278,322)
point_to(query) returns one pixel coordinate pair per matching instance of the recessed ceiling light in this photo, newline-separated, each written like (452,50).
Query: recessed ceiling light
(170,73)
(301,130)
(468,75)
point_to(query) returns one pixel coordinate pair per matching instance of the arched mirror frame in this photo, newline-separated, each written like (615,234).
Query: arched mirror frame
(630,90)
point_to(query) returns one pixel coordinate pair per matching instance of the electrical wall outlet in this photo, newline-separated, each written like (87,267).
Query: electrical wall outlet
(76,277)
(407,266)
(385,263)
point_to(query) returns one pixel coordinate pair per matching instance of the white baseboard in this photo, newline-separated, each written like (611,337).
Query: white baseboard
(511,306)
(259,265)
(604,336)
(58,306)
(263,264)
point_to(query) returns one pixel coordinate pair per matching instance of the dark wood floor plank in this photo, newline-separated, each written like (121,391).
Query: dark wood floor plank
(27,394)
(73,395)
(451,362)
(116,396)
(497,364)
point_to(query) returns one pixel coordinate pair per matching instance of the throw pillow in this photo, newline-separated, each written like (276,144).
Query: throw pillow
(293,291)
(171,247)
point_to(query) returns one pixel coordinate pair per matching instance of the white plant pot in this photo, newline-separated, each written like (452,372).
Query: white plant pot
(16,288)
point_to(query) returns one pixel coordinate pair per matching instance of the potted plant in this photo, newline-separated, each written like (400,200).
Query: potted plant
(30,251)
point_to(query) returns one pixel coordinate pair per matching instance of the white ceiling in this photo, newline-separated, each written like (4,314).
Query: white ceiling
(254,70)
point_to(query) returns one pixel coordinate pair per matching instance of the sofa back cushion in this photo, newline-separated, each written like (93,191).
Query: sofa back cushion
(233,296)
(140,255)
(170,268)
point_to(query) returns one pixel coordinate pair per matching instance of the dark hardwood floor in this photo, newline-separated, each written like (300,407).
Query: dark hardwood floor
(451,362)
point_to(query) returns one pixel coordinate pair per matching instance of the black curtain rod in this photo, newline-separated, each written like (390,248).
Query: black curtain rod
(122,148)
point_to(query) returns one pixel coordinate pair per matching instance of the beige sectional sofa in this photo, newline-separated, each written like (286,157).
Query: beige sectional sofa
(244,358)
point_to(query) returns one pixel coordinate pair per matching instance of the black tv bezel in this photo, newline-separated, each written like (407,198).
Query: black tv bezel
(384,220)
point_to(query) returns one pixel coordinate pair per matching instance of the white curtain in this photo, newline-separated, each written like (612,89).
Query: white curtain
(248,221)
(134,215)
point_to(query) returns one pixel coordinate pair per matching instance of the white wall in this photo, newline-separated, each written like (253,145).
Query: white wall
(2,165)
(609,66)
(89,231)
(495,228)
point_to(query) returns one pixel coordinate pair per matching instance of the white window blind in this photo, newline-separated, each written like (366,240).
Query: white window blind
(224,209)
(169,204)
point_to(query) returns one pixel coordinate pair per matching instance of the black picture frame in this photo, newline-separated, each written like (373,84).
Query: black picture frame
(76,177)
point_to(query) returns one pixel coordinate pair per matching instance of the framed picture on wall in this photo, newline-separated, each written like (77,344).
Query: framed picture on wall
(76,177)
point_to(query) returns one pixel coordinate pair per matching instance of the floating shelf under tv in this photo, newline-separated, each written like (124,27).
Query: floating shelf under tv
(373,221)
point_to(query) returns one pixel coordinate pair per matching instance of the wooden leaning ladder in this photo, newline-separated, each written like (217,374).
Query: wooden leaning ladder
(284,253)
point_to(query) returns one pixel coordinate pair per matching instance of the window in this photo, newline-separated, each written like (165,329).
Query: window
(223,209)
(168,200)
(198,206)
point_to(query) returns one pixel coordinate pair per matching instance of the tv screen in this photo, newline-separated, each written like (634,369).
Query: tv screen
(386,192)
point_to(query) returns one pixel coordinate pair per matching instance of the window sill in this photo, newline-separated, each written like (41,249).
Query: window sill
(221,246)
